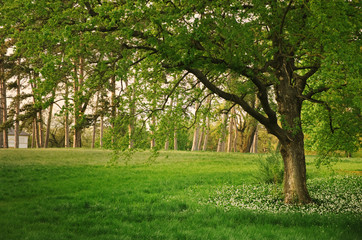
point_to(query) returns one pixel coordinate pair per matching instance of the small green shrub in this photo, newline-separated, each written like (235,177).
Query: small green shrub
(270,169)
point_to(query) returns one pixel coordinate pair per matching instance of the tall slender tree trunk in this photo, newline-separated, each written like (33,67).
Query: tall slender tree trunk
(207,128)
(132,112)
(201,137)
(33,136)
(4,109)
(49,120)
(153,141)
(95,122)
(101,127)
(37,136)
(230,131)
(221,142)
(235,134)
(66,116)
(207,132)
(37,116)
(1,119)
(167,143)
(1,105)
(195,142)
(78,82)
(113,102)
(41,128)
(254,145)
(94,134)
(17,112)
(175,143)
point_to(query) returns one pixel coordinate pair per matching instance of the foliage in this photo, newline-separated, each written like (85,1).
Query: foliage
(334,127)
(282,52)
(270,168)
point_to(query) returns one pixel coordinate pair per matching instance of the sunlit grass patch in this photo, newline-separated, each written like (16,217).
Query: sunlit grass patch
(338,195)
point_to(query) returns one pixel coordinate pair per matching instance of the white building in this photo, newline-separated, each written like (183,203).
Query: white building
(23,139)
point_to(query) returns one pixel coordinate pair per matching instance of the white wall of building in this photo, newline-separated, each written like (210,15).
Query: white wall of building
(23,141)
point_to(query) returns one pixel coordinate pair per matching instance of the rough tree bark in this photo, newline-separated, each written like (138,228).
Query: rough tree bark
(292,143)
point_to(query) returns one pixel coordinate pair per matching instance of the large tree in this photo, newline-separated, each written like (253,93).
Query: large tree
(278,50)
(285,52)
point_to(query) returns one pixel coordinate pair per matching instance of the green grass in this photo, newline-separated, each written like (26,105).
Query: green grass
(74,194)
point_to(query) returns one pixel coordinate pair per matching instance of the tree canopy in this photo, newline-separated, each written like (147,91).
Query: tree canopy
(282,52)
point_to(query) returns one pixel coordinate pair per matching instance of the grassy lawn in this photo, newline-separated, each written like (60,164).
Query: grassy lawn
(74,194)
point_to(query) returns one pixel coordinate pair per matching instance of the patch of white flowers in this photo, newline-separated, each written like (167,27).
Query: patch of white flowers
(339,194)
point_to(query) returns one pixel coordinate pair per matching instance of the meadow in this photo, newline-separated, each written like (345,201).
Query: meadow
(77,194)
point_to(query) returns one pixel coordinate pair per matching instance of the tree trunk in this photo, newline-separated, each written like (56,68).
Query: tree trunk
(95,122)
(113,103)
(4,110)
(101,132)
(132,112)
(41,128)
(175,145)
(207,132)
(235,134)
(66,117)
(254,145)
(78,81)
(1,106)
(247,134)
(153,124)
(295,188)
(231,132)
(49,121)
(292,141)
(195,142)
(94,134)
(221,142)
(17,113)
(33,138)
(167,144)
(201,137)
(1,121)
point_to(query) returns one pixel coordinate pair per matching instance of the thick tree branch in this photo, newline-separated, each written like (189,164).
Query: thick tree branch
(311,93)
(228,96)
